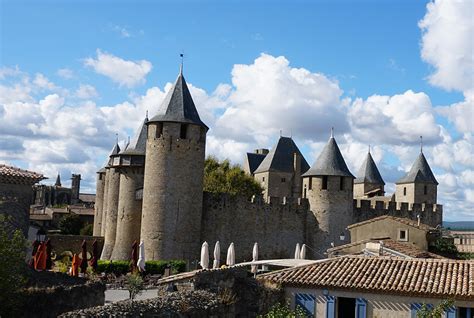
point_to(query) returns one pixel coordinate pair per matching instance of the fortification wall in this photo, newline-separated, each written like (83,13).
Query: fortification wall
(431,214)
(99,203)
(276,225)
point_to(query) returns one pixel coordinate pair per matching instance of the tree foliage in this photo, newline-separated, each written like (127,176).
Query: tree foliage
(12,267)
(222,177)
(71,224)
(283,310)
(87,230)
(436,312)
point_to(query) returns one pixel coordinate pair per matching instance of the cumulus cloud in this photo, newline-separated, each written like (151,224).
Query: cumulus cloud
(86,91)
(65,73)
(125,73)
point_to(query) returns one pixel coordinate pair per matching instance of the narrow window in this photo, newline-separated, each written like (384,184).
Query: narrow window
(404,190)
(310,183)
(159,130)
(425,190)
(341,183)
(184,129)
(324,185)
(283,179)
(100,176)
(263,178)
(304,192)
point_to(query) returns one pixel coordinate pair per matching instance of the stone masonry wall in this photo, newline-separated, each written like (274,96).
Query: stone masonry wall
(112,211)
(275,226)
(99,202)
(15,200)
(105,202)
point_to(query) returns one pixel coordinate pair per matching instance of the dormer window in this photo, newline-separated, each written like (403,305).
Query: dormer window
(403,235)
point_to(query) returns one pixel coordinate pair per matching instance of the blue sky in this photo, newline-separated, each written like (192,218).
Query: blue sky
(354,52)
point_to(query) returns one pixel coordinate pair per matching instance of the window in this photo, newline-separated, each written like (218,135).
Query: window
(183,131)
(425,190)
(159,130)
(100,176)
(324,184)
(306,302)
(341,183)
(404,190)
(403,235)
(346,307)
(283,179)
(263,179)
(463,312)
(139,194)
(304,192)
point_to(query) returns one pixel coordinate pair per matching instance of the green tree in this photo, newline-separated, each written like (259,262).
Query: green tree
(87,230)
(436,312)
(12,267)
(445,247)
(71,224)
(281,310)
(222,177)
(134,285)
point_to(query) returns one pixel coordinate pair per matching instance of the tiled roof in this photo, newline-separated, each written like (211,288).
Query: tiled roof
(419,172)
(400,220)
(442,278)
(9,174)
(330,162)
(281,157)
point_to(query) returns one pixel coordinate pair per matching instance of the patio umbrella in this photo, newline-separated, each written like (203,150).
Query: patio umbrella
(205,255)
(95,255)
(217,255)
(231,255)
(297,251)
(35,247)
(303,251)
(134,261)
(84,257)
(141,257)
(75,265)
(254,258)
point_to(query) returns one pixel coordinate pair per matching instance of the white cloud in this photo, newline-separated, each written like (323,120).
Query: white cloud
(461,114)
(446,44)
(65,73)
(125,73)
(86,91)
(43,82)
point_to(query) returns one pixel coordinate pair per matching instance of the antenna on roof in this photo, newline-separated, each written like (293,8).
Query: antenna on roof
(332,132)
(146,116)
(369,148)
(116,138)
(182,62)
(421,144)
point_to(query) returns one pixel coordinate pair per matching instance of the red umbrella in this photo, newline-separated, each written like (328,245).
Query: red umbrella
(84,257)
(95,256)
(134,256)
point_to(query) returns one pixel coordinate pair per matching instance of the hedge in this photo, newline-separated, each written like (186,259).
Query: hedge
(151,267)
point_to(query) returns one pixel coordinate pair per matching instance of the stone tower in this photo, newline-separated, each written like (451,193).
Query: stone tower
(419,185)
(369,182)
(131,167)
(75,188)
(328,186)
(99,201)
(280,171)
(173,183)
(111,198)
(58,181)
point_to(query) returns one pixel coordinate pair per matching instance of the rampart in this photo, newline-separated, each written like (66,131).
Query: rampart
(430,214)
(276,225)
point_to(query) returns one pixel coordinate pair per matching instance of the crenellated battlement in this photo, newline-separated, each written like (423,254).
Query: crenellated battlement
(257,201)
(431,214)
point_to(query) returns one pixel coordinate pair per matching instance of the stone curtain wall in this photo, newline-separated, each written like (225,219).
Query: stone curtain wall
(275,226)
(15,200)
(430,214)
(63,243)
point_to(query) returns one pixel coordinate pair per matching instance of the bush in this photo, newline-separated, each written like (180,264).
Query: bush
(152,267)
(87,230)
(134,285)
(283,311)
(12,267)
(71,224)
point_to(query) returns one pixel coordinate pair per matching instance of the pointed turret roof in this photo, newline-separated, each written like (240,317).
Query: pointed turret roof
(115,150)
(137,145)
(419,172)
(280,158)
(330,162)
(369,173)
(178,106)
(58,181)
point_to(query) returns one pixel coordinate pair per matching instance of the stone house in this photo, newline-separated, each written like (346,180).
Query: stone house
(359,287)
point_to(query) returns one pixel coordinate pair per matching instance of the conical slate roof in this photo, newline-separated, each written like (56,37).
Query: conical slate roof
(369,173)
(280,158)
(58,181)
(178,106)
(330,162)
(137,145)
(419,172)
(115,150)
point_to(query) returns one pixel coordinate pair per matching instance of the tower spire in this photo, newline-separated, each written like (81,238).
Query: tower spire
(369,148)
(332,132)
(421,144)
(182,62)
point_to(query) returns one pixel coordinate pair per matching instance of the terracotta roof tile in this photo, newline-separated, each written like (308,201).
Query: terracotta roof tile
(12,175)
(410,277)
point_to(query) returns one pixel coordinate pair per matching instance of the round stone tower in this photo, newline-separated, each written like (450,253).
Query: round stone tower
(131,168)
(113,186)
(99,201)
(328,186)
(173,183)
(104,203)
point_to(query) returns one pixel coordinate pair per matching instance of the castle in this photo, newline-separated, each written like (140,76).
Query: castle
(153,191)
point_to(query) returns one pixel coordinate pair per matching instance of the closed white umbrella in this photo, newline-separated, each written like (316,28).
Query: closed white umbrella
(205,255)
(254,258)
(303,251)
(230,255)
(297,251)
(141,257)
(217,255)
